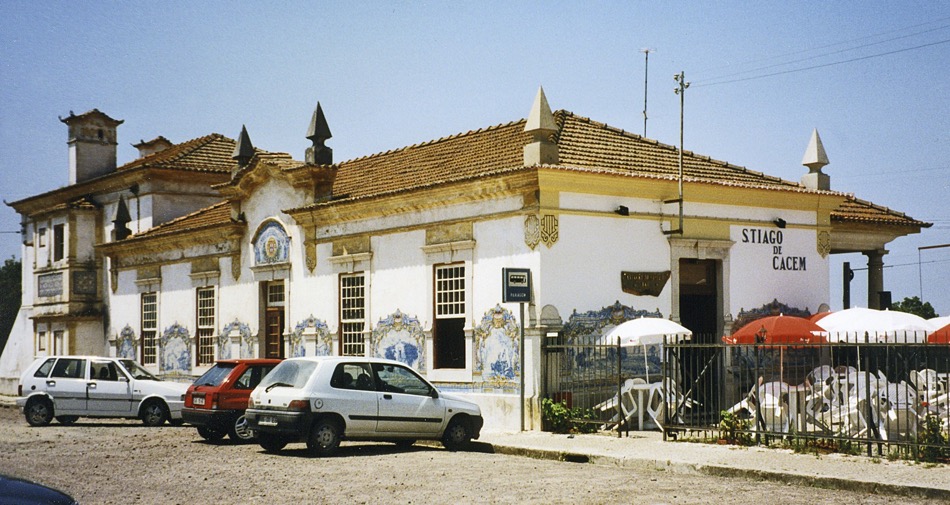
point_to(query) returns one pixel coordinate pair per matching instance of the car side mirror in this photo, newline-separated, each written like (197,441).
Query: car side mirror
(123,379)
(434,393)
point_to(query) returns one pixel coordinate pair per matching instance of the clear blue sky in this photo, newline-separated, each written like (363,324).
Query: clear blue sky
(390,74)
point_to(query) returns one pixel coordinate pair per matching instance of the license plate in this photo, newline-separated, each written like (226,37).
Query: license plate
(267,421)
(198,400)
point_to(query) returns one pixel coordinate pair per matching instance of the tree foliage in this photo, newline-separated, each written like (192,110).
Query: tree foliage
(9,297)
(914,305)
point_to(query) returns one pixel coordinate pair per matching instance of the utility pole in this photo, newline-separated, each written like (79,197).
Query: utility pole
(646,69)
(680,90)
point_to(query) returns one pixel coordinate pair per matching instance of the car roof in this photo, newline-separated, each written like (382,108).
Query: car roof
(251,361)
(345,359)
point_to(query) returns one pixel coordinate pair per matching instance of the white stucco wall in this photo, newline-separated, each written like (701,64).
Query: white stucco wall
(768,263)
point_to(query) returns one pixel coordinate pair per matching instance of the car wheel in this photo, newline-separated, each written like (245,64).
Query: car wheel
(210,434)
(240,430)
(154,413)
(324,438)
(457,436)
(271,442)
(67,420)
(38,412)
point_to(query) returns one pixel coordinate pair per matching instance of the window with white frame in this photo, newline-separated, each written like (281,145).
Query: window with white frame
(205,328)
(40,342)
(352,314)
(449,328)
(150,328)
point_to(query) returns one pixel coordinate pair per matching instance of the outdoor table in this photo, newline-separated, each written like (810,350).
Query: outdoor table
(797,400)
(641,389)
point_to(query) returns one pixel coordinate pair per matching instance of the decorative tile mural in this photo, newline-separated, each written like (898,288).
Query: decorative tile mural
(583,331)
(400,337)
(272,244)
(224,340)
(125,344)
(497,354)
(175,350)
(324,341)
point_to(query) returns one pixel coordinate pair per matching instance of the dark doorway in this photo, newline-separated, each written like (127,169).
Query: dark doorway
(699,311)
(273,293)
(699,299)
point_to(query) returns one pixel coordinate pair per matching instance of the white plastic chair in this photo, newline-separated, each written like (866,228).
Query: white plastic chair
(773,407)
(902,418)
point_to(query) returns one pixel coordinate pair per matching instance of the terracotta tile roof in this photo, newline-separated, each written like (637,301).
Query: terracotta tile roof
(860,211)
(211,153)
(208,217)
(457,157)
(584,145)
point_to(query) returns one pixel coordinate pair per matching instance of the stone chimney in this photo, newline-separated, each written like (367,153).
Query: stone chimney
(541,126)
(318,133)
(92,145)
(815,158)
(156,145)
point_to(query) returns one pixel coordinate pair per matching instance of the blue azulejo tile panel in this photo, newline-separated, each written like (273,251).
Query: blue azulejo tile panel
(175,350)
(400,337)
(497,355)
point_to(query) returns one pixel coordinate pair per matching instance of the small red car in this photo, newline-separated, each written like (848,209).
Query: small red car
(215,403)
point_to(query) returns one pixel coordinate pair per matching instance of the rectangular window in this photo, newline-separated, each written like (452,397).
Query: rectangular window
(59,241)
(205,331)
(149,328)
(449,327)
(41,342)
(275,294)
(352,314)
(42,237)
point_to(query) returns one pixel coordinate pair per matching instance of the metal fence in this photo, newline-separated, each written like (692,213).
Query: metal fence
(885,399)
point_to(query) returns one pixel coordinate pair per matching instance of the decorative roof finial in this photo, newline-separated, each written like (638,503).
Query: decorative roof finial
(815,158)
(318,133)
(541,126)
(243,150)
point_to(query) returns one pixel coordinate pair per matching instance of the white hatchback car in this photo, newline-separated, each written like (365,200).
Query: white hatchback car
(67,387)
(323,400)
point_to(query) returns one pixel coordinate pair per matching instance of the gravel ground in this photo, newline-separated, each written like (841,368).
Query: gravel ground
(124,462)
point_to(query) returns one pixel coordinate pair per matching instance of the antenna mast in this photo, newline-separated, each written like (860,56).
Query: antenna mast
(646,68)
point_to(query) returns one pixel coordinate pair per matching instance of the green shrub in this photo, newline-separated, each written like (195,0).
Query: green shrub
(734,429)
(557,417)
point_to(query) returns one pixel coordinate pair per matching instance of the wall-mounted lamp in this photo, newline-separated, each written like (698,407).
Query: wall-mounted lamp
(779,222)
(623,210)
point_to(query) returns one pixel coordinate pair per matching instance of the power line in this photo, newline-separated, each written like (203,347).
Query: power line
(854,48)
(834,44)
(827,64)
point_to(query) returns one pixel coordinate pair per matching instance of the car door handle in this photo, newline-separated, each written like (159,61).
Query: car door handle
(50,383)
(92,385)
(387,397)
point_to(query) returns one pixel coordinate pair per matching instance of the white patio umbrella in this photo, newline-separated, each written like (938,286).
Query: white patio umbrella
(646,331)
(938,322)
(850,325)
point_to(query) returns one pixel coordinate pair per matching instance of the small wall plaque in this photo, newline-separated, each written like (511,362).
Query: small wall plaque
(644,283)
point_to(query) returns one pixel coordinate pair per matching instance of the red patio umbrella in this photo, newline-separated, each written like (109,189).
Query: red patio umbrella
(941,336)
(782,330)
(779,329)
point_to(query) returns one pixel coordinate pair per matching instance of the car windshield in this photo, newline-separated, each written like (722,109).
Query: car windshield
(136,370)
(215,375)
(292,373)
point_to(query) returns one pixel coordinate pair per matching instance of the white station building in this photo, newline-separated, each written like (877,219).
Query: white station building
(212,249)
